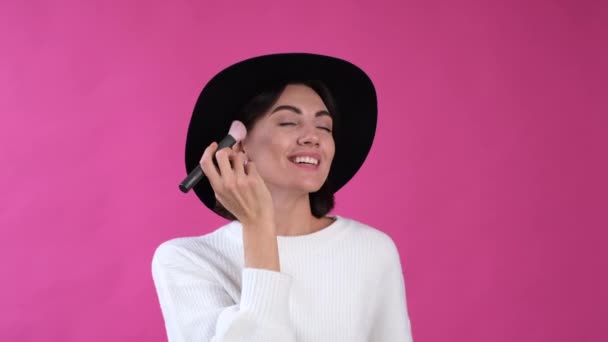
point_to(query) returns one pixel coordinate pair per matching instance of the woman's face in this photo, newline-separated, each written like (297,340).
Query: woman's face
(292,144)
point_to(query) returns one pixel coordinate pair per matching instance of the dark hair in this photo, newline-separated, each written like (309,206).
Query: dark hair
(321,201)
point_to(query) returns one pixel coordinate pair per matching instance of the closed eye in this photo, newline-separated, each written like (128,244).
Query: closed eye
(293,124)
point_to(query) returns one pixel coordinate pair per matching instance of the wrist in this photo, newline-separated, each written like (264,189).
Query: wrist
(260,226)
(261,248)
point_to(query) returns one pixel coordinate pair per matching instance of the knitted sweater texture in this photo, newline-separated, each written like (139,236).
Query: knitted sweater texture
(343,283)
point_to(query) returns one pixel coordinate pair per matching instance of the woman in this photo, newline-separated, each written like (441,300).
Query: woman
(282,269)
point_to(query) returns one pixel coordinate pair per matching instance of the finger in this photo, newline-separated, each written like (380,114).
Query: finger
(238,147)
(223,159)
(207,165)
(251,169)
(239,164)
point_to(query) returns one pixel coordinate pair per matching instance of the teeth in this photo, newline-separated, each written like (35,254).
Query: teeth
(307,160)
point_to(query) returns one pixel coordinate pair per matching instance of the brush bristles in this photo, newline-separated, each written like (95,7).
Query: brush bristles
(237,130)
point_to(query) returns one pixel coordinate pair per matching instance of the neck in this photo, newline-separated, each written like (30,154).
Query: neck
(292,214)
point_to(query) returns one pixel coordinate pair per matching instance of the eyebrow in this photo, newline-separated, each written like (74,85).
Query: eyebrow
(299,111)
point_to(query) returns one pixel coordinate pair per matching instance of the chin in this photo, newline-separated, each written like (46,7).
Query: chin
(308,188)
(314,188)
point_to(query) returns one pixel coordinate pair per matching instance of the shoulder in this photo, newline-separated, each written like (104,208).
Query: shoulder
(380,242)
(360,229)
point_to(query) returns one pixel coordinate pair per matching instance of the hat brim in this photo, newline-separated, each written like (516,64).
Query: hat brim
(225,94)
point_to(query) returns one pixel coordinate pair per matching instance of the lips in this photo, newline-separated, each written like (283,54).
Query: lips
(306,160)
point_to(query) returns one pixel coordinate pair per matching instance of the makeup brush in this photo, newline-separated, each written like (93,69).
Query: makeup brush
(236,133)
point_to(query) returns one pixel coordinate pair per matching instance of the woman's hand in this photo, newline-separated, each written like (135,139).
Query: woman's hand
(238,187)
(241,190)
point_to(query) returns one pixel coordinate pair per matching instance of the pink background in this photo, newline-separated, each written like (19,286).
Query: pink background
(488,170)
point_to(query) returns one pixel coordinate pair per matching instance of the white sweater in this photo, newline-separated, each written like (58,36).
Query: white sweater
(343,283)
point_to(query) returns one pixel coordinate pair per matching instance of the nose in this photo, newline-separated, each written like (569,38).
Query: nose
(309,136)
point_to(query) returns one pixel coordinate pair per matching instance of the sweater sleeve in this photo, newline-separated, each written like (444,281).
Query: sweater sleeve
(391,320)
(196,308)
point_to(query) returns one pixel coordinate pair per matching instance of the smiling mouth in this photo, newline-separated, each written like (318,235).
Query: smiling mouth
(305,161)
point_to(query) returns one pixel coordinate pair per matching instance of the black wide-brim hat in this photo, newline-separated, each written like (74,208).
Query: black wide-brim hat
(222,98)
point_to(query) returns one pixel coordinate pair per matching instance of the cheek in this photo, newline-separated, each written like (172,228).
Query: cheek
(266,147)
(273,144)
(331,148)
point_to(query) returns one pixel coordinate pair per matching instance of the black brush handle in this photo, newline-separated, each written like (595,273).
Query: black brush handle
(197,174)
